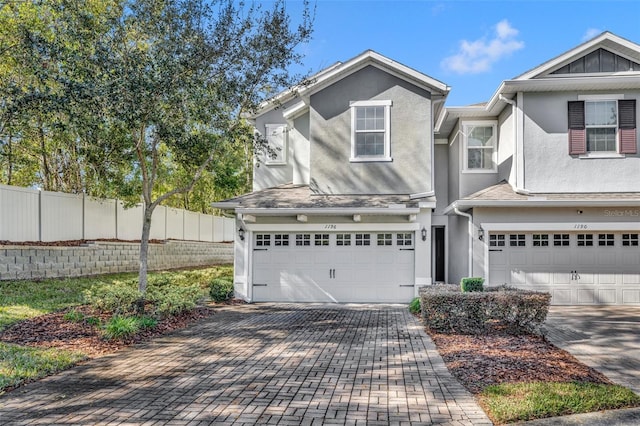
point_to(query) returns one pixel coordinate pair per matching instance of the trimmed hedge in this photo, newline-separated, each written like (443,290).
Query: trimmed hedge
(472,284)
(445,309)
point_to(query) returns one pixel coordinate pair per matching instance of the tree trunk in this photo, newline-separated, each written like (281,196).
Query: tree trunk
(46,174)
(144,252)
(10,158)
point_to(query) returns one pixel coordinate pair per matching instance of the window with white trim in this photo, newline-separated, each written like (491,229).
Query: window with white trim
(561,240)
(630,240)
(363,239)
(321,239)
(540,240)
(385,240)
(303,240)
(405,239)
(496,240)
(343,239)
(281,240)
(585,240)
(276,136)
(263,240)
(601,122)
(371,131)
(517,240)
(606,240)
(480,146)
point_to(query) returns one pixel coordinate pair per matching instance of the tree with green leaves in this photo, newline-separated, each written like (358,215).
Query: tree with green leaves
(177,75)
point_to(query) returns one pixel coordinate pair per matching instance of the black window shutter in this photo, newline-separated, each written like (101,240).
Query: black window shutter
(627,126)
(577,132)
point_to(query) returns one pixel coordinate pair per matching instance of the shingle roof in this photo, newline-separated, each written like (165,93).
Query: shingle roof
(301,196)
(504,192)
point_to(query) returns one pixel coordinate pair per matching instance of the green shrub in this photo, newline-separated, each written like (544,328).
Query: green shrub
(73,316)
(447,310)
(414,306)
(172,300)
(119,297)
(95,321)
(120,327)
(147,322)
(472,284)
(220,290)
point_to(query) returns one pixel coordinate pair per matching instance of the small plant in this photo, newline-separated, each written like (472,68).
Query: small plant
(472,284)
(95,321)
(120,327)
(172,300)
(220,290)
(119,297)
(73,316)
(414,306)
(147,322)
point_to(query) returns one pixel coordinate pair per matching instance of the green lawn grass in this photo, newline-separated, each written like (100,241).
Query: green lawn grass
(20,300)
(19,363)
(514,402)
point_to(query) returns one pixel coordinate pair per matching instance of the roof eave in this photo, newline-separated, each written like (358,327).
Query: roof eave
(469,204)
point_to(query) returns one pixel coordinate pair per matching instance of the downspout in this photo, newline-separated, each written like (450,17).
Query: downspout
(470,230)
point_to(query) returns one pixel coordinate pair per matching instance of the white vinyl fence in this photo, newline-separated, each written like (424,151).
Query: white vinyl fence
(33,215)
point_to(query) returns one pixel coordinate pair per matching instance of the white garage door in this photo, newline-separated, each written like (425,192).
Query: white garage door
(576,268)
(333,267)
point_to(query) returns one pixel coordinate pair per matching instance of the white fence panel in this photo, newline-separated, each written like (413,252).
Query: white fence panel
(158,223)
(61,216)
(19,214)
(229,229)
(99,218)
(175,223)
(218,229)
(129,222)
(191,225)
(206,227)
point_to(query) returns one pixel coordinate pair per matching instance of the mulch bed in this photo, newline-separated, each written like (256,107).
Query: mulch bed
(53,331)
(480,361)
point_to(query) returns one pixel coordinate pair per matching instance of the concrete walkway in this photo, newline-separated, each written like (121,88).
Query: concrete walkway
(266,364)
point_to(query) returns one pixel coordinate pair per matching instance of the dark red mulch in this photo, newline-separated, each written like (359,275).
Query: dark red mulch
(53,331)
(480,361)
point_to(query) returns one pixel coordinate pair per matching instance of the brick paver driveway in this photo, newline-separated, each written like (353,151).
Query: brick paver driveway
(275,364)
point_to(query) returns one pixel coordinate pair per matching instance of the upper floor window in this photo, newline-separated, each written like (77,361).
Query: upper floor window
(602,125)
(480,144)
(370,131)
(276,135)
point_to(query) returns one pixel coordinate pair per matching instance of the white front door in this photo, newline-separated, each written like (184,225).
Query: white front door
(576,268)
(334,267)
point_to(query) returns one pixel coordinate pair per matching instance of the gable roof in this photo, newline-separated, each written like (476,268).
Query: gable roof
(540,79)
(340,70)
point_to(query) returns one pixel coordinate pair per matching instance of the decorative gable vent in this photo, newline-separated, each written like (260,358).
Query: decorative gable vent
(600,60)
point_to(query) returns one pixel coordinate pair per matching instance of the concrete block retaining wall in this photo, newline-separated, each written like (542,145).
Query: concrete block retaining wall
(37,262)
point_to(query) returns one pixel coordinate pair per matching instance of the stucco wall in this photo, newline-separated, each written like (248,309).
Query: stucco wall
(411,137)
(36,262)
(548,165)
(266,175)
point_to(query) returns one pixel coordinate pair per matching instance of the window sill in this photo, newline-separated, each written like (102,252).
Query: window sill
(370,159)
(476,171)
(592,155)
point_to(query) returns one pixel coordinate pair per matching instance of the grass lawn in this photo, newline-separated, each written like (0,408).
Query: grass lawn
(515,402)
(20,300)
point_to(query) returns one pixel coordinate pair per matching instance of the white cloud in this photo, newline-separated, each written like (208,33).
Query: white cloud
(591,33)
(478,56)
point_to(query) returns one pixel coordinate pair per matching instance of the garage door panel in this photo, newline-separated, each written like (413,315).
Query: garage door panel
(589,273)
(341,271)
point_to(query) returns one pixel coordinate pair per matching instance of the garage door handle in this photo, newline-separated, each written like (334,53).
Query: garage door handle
(260,249)
(406,249)
(407,285)
(259,285)
(495,249)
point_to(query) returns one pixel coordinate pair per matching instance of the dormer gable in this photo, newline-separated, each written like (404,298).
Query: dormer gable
(606,53)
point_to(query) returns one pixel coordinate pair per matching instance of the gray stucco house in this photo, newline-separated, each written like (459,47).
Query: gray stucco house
(378,189)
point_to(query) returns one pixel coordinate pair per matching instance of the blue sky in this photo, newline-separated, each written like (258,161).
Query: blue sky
(470,45)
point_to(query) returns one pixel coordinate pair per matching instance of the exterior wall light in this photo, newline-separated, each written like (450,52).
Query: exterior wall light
(424,233)
(241,233)
(481,234)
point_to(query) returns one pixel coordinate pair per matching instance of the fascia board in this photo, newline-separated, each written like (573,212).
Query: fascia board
(469,204)
(225,206)
(330,211)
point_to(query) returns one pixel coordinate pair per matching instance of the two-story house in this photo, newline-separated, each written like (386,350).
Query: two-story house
(378,189)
